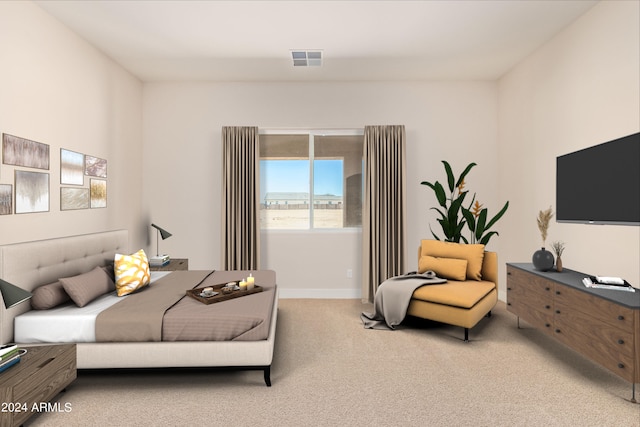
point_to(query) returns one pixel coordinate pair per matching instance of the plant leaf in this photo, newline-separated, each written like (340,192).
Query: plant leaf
(450,177)
(480,225)
(486,237)
(498,216)
(471,220)
(466,171)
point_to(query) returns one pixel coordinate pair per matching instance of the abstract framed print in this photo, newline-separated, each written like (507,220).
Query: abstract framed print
(98,193)
(71,167)
(72,198)
(6,199)
(94,166)
(32,192)
(18,151)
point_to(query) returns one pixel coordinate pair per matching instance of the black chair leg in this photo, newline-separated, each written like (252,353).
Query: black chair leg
(466,334)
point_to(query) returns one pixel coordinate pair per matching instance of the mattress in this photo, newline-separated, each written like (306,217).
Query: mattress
(67,323)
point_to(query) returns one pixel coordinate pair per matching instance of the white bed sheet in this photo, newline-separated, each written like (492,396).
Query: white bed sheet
(67,323)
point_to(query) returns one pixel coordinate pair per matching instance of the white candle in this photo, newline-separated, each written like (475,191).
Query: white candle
(250,282)
(243,285)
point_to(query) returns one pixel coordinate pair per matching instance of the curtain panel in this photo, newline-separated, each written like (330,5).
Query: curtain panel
(240,198)
(383,219)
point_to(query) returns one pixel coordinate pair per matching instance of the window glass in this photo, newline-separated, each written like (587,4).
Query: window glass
(310,180)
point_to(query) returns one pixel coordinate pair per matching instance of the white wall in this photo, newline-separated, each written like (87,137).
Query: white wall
(57,89)
(182,179)
(581,89)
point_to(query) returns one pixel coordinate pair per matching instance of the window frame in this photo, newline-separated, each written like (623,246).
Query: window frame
(312,133)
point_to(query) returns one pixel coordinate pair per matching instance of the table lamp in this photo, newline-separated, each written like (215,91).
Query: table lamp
(12,295)
(159,260)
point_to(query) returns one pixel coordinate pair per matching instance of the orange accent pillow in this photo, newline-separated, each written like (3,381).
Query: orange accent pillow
(447,268)
(472,253)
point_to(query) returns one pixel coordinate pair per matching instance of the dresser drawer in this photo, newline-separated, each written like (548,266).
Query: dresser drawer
(521,281)
(596,308)
(590,339)
(603,337)
(542,320)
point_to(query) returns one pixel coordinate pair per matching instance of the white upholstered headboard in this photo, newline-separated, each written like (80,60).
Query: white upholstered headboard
(32,264)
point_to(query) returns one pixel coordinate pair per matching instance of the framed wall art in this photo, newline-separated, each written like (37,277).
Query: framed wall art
(71,167)
(98,193)
(95,166)
(32,192)
(72,198)
(18,151)
(6,199)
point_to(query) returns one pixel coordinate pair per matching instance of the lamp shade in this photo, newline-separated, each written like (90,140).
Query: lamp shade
(12,295)
(163,233)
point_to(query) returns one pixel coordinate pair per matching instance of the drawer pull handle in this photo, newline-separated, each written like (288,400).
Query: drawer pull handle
(557,311)
(508,289)
(621,365)
(557,331)
(547,289)
(621,317)
(508,273)
(508,303)
(548,325)
(46,362)
(547,307)
(620,341)
(557,292)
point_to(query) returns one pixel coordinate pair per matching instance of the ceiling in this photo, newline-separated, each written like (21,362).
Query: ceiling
(360,40)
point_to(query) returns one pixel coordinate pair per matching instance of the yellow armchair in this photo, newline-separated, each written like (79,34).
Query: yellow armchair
(458,302)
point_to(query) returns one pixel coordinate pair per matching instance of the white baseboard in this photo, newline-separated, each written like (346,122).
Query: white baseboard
(320,293)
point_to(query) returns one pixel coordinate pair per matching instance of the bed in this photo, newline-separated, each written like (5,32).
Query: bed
(33,264)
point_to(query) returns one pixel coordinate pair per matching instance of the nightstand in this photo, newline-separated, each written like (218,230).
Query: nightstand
(42,373)
(174,264)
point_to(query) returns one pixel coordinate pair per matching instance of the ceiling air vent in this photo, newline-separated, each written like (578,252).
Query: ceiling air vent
(306,58)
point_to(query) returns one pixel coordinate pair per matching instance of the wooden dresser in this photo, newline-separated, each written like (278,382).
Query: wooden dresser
(601,324)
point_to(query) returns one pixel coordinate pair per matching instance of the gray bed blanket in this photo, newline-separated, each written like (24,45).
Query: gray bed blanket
(393,297)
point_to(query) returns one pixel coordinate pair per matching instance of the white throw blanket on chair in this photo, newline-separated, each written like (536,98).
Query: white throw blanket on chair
(393,297)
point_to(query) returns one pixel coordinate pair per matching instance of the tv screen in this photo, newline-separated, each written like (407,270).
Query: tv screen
(600,184)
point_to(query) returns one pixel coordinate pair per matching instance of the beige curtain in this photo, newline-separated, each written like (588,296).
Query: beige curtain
(383,216)
(240,198)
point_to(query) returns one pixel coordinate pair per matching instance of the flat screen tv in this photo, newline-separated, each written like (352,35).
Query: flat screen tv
(600,184)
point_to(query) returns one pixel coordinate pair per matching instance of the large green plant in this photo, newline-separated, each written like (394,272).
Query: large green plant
(454,216)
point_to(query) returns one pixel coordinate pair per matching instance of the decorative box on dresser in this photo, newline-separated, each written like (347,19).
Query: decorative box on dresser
(28,386)
(601,324)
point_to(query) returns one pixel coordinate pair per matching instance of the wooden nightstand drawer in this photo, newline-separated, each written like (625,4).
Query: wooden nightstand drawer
(175,264)
(42,373)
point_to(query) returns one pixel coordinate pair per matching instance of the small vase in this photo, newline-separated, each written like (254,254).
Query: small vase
(558,264)
(543,260)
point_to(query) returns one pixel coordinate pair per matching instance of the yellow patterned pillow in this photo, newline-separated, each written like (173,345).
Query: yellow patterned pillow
(132,272)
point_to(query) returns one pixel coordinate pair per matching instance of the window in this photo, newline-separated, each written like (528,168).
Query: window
(311,180)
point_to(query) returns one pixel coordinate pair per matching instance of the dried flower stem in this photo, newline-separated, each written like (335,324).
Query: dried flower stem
(543,223)
(558,248)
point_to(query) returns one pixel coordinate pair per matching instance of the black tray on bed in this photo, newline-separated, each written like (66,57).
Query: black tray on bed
(220,296)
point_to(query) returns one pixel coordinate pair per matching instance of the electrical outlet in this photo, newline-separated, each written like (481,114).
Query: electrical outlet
(349,273)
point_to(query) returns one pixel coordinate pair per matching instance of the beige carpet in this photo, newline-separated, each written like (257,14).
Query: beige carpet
(330,371)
